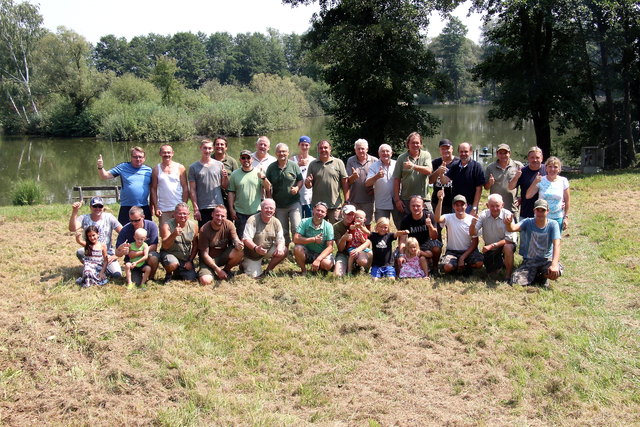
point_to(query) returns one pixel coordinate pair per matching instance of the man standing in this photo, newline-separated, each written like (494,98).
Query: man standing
(380,177)
(462,252)
(126,237)
(314,241)
(303,159)
(411,174)
(106,224)
(420,224)
(168,185)
(263,238)
(500,173)
(342,237)
(440,168)
(524,178)
(466,177)
(539,246)
(261,159)
(499,244)
(286,180)
(245,191)
(135,178)
(327,175)
(207,177)
(179,244)
(220,146)
(219,247)
(357,170)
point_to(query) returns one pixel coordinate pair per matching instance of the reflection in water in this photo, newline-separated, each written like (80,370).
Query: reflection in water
(61,164)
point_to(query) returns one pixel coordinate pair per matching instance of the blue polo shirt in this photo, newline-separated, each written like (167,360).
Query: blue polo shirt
(136,184)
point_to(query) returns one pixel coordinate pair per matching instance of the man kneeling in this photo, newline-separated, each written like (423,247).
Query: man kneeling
(219,246)
(263,238)
(462,250)
(539,246)
(314,241)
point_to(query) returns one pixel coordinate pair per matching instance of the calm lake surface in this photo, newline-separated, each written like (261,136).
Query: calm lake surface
(62,163)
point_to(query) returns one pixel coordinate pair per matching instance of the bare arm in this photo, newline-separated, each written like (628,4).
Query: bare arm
(102,173)
(194,199)
(74,224)
(154,192)
(183,184)
(345,188)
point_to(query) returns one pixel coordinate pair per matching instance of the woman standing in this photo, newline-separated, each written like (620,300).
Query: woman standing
(554,189)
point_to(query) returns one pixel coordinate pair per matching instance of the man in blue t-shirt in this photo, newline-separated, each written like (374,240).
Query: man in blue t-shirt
(539,246)
(136,181)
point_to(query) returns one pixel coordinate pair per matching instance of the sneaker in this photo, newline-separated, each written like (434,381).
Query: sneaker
(85,284)
(131,286)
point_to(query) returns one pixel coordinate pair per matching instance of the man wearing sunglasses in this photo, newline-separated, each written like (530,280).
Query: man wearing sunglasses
(106,224)
(135,177)
(126,237)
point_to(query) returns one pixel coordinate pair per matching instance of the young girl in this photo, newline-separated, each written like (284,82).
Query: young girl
(414,266)
(382,242)
(95,258)
(359,245)
(138,255)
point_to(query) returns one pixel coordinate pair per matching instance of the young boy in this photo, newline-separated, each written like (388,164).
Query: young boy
(138,255)
(358,245)
(381,242)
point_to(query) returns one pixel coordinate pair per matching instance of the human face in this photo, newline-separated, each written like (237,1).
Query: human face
(446,151)
(540,213)
(385,154)
(139,239)
(218,217)
(137,220)
(349,217)
(282,154)
(414,146)
(245,161)
(220,146)
(92,237)
(206,149)
(262,145)
(459,207)
(166,152)
(181,215)
(494,208)
(412,249)
(304,147)
(416,206)
(267,211)
(503,156)
(361,151)
(382,228)
(464,151)
(535,160)
(553,170)
(324,150)
(319,212)
(359,218)
(137,159)
(97,208)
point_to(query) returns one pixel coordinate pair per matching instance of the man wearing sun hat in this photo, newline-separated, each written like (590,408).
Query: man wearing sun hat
(106,224)
(500,173)
(539,247)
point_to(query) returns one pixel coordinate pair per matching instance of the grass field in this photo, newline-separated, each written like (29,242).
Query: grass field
(295,351)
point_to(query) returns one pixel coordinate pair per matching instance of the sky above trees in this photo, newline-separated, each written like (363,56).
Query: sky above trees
(126,18)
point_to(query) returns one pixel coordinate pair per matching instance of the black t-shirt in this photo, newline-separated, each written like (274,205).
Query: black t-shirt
(417,227)
(382,249)
(448,190)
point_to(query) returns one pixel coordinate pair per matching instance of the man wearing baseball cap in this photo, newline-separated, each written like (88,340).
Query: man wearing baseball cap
(106,224)
(341,235)
(500,173)
(539,247)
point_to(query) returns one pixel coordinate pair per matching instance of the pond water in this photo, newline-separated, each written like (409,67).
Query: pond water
(62,163)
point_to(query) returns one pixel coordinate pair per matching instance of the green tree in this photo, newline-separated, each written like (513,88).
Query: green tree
(219,49)
(20,30)
(189,52)
(374,61)
(112,53)
(164,78)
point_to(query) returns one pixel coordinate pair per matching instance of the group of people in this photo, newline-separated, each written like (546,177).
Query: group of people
(338,217)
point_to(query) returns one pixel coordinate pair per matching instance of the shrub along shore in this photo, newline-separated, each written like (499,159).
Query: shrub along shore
(292,350)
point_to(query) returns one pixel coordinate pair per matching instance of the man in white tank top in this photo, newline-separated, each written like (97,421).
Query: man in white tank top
(168,185)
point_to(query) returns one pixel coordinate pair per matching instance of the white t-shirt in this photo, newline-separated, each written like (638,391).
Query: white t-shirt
(305,193)
(383,187)
(458,238)
(106,225)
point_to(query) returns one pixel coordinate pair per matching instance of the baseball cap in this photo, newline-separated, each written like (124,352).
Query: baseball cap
(503,147)
(96,201)
(459,198)
(541,204)
(245,153)
(304,138)
(444,142)
(348,209)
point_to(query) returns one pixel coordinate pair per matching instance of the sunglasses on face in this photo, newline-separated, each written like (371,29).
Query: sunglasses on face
(97,206)
(136,220)
(245,158)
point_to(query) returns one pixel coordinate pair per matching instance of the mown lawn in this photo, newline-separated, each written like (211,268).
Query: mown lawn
(324,350)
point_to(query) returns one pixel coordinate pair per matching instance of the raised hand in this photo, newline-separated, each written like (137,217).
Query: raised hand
(408,164)
(100,162)
(441,194)
(491,180)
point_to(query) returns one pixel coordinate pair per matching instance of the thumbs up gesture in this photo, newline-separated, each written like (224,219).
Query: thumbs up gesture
(100,162)
(538,178)
(491,180)
(309,180)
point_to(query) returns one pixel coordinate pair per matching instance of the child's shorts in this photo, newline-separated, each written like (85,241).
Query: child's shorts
(380,272)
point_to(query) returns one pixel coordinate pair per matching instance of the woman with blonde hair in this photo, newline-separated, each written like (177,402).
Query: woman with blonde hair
(555,190)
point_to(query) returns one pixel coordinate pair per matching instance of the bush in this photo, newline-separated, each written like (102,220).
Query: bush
(27,192)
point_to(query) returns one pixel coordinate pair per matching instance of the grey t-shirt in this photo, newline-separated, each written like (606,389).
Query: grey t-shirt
(207,180)
(106,225)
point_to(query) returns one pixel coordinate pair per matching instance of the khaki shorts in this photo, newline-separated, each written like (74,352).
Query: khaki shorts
(253,268)
(221,260)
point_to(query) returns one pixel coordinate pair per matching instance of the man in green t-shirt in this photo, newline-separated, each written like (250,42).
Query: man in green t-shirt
(314,241)
(327,175)
(411,175)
